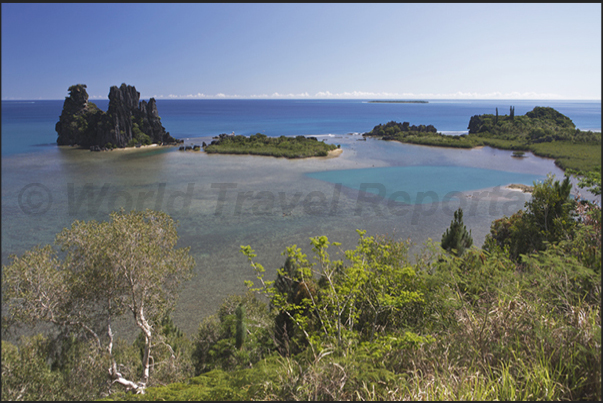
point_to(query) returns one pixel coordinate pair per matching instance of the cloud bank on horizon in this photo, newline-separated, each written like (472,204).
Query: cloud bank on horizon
(362,95)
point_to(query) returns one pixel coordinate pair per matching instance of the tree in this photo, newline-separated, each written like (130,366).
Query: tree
(128,265)
(456,238)
(374,298)
(549,217)
(241,332)
(550,211)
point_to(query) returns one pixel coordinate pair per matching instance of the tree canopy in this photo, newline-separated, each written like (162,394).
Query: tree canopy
(549,217)
(129,265)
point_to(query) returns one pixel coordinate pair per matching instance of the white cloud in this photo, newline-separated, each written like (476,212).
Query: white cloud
(364,95)
(367,95)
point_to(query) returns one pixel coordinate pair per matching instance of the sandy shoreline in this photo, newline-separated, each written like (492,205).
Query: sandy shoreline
(124,148)
(334,153)
(519,188)
(330,154)
(134,148)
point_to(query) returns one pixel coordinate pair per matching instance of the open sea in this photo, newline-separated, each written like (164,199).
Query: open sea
(224,201)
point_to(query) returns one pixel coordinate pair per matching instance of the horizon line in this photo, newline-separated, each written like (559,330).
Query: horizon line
(355,95)
(214,98)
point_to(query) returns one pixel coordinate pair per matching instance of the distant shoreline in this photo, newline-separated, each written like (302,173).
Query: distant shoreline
(130,148)
(398,102)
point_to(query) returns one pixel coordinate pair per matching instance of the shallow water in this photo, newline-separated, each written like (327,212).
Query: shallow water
(224,201)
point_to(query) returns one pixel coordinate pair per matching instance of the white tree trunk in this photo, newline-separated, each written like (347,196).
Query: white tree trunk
(146,359)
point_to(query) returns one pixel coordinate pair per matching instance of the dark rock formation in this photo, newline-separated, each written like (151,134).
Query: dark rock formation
(78,119)
(127,121)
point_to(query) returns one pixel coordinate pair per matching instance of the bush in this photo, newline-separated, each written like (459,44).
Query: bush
(215,346)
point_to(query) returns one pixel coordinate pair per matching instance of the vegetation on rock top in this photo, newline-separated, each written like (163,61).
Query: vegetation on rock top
(544,131)
(260,144)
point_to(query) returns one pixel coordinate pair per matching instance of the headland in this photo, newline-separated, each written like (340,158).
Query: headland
(543,131)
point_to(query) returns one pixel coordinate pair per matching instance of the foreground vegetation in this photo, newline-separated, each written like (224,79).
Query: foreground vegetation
(260,144)
(518,319)
(543,131)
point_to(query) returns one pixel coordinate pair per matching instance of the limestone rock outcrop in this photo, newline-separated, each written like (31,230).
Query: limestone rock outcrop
(128,121)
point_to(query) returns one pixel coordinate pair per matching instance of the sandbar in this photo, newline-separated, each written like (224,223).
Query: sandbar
(519,187)
(134,148)
(334,153)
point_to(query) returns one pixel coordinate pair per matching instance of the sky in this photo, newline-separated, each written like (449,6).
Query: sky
(305,51)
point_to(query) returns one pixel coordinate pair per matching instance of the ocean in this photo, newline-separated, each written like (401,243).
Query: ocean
(222,202)
(28,126)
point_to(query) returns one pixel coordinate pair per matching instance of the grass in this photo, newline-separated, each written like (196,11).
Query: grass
(544,131)
(511,343)
(578,156)
(484,359)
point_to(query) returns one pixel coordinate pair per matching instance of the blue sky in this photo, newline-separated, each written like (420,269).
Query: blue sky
(368,51)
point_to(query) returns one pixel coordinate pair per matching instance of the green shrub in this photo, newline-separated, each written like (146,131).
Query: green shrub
(260,144)
(215,346)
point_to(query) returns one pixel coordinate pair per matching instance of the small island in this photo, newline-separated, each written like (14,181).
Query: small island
(260,144)
(543,131)
(403,132)
(128,122)
(397,102)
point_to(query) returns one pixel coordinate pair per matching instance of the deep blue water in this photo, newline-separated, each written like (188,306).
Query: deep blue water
(28,126)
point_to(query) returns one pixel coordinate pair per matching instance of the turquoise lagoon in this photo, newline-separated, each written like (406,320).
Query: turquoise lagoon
(422,184)
(222,201)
